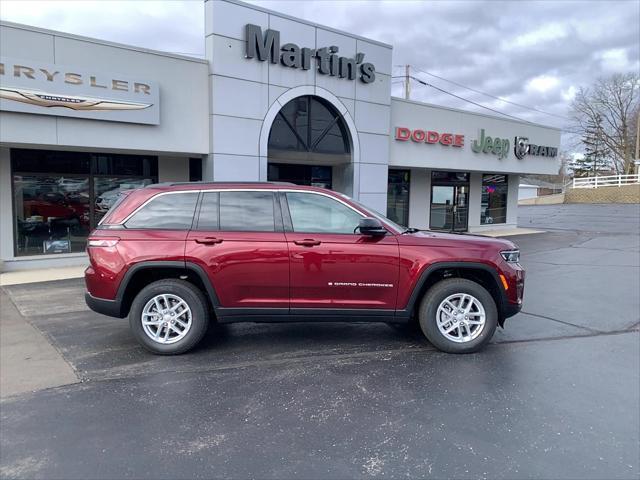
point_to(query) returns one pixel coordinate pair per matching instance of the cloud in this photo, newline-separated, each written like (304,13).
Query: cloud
(543,83)
(546,33)
(614,60)
(530,52)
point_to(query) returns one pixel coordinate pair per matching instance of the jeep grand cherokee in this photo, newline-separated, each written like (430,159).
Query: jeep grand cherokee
(174,257)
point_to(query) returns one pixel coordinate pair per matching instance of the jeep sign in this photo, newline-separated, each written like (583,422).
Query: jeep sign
(267,47)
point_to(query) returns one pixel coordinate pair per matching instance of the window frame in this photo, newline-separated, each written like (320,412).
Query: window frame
(277,212)
(308,144)
(281,205)
(289,221)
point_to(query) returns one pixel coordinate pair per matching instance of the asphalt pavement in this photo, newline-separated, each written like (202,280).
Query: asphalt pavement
(556,394)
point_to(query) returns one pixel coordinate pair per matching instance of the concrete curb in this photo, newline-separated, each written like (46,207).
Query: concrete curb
(41,275)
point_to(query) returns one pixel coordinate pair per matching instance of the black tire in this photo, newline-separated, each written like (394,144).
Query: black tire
(193,297)
(436,295)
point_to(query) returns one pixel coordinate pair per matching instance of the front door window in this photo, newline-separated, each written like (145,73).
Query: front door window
(312,213)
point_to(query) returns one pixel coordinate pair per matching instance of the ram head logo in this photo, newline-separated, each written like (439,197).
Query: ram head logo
(521,147)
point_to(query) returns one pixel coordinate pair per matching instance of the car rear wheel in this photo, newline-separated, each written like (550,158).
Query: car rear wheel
(169,317)
(458,316)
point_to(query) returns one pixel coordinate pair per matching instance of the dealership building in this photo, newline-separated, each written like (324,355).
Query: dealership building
(276,98)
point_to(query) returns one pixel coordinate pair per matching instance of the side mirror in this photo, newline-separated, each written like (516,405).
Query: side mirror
(372,227)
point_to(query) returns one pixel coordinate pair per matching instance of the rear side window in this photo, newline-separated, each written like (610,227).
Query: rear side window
(247,211)
(173,211)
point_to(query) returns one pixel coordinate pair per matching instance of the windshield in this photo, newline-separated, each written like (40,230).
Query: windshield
(379,216)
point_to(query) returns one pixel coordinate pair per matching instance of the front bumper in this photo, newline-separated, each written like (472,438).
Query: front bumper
(510,309)
(111,308)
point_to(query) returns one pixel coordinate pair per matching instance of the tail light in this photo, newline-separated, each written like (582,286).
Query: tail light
(103,242)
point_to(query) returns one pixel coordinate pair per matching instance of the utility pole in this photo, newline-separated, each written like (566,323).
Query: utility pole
(407,82)
(597,151)
(637,159)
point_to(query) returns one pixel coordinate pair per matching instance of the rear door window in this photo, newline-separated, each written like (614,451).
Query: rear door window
(247,212)
(171,211)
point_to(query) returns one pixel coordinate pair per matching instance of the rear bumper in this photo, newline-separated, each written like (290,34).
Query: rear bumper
(111,308)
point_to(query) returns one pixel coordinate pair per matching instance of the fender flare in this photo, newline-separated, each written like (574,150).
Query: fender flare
(178,265)
(431,269)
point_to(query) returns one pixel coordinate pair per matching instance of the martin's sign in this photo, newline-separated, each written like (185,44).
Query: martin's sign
(29,86)
(267,47)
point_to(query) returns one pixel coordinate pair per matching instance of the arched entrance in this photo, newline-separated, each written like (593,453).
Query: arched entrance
(309,144)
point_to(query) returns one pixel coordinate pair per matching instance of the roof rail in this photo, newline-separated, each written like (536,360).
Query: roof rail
(173,184)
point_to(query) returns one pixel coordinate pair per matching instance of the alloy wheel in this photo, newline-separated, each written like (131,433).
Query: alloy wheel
(166,318)
(460,317)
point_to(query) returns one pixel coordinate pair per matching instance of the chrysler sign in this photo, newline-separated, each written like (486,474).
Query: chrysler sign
(267,47)
(30,86)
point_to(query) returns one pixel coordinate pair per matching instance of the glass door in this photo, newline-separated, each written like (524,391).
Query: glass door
(449,202)
(460,210)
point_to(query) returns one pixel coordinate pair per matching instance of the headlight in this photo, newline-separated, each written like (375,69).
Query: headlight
(511,256)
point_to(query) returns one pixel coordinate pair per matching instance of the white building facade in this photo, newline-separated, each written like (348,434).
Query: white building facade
(276,99)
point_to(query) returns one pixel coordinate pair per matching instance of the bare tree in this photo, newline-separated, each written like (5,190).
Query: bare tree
(614,102)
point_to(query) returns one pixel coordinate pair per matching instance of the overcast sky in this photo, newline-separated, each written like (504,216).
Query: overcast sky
(535,53)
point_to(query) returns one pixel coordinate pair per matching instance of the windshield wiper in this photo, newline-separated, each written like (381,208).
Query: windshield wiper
(411,230)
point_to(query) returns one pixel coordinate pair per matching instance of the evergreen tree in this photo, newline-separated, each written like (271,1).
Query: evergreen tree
(596,159)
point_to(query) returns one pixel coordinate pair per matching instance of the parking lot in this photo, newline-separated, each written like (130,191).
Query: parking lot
(556,395)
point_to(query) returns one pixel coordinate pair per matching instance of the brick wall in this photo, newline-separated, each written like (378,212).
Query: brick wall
(624,194)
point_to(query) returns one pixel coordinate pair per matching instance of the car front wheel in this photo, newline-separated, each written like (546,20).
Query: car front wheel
(458,316)
(169,317)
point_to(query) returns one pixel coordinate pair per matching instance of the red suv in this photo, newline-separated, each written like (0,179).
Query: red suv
(175,256)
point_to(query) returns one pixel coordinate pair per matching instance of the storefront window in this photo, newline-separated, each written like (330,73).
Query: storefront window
(58,197)
(494,199)
(107,189)
(398,196)
(52,213)
(313,175)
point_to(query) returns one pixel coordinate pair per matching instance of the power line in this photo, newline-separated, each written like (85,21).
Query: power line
(487,94)
(462,98)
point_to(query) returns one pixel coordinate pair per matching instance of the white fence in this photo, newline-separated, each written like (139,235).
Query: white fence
(606,181)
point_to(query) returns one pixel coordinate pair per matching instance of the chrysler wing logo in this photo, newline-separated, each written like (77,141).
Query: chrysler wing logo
(44,99)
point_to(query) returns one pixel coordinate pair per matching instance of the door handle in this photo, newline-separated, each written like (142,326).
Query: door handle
(208,240)
(307,242)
